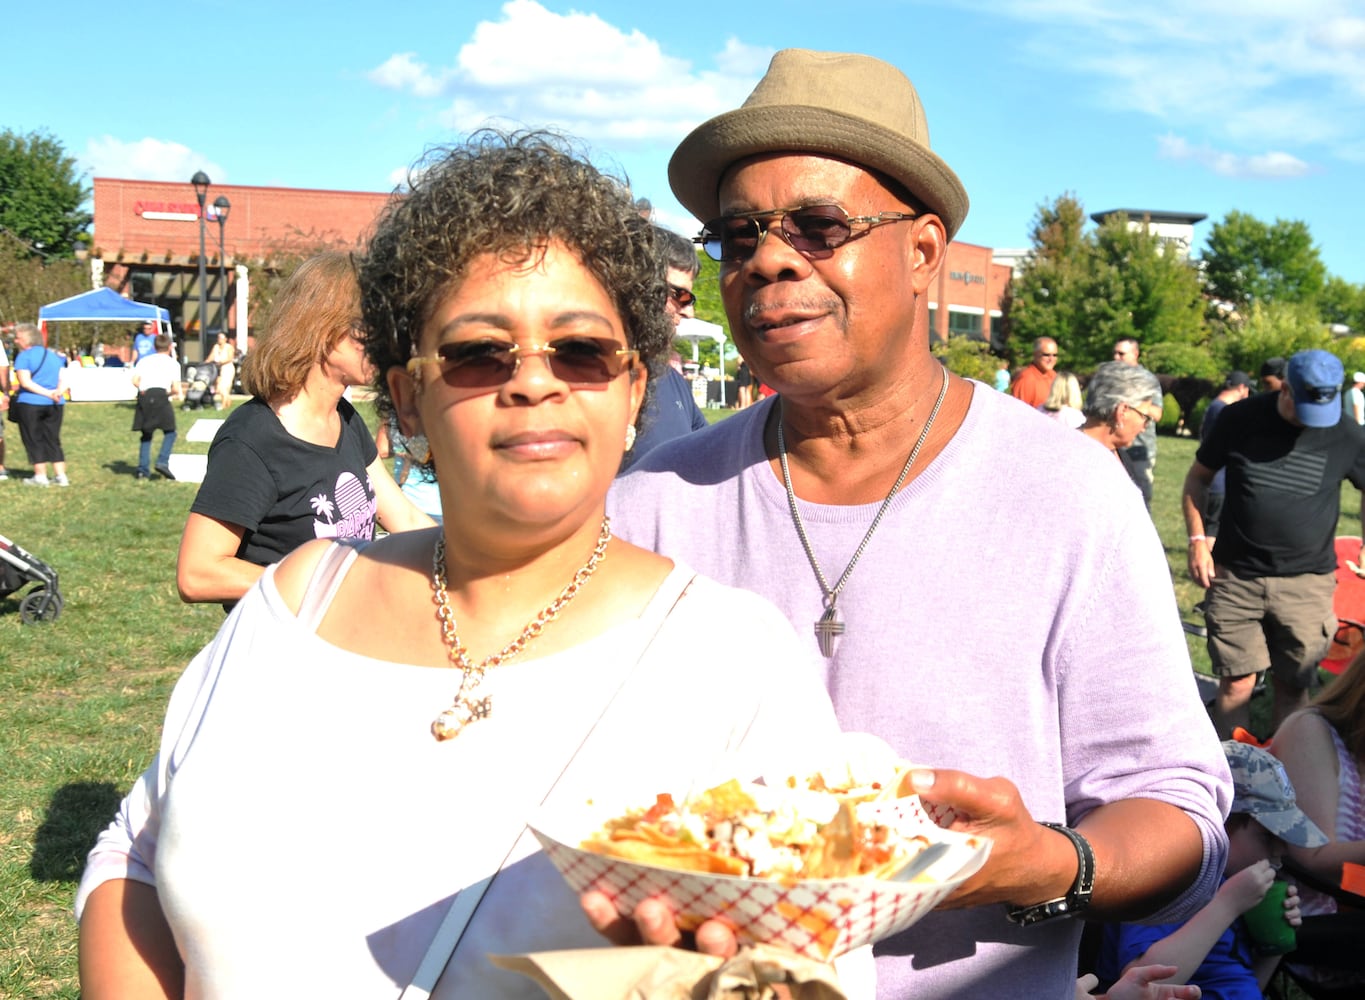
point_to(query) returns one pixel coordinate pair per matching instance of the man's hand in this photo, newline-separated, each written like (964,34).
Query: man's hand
(1139,983)
(992,807)
(1201,563)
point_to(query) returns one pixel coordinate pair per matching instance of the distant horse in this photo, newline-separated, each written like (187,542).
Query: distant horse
(1187,391)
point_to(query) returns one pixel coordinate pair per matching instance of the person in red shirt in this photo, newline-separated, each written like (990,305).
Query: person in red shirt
(1034,380)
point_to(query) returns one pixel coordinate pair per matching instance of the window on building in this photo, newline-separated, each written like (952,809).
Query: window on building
(962,324)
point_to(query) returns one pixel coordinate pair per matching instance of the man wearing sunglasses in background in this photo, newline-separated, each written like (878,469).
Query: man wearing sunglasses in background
(671,409)
(1034,381)
(1272,571)
(981,586)
(1140,458)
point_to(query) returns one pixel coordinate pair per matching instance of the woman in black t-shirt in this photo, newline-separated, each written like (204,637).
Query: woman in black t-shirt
(296,462)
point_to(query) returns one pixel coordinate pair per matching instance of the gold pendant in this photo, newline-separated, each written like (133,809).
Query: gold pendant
(454,719)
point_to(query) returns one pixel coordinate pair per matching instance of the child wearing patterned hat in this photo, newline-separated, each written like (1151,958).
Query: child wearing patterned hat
(1212,949)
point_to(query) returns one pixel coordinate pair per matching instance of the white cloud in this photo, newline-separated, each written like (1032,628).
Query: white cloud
(577,73)
(403,72)
(1271,165)
(1246,74)
(147,160)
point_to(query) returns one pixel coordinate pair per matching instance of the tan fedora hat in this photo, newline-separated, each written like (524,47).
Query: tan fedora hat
(849,106)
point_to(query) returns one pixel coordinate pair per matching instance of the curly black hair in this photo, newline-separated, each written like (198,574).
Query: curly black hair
(507,194)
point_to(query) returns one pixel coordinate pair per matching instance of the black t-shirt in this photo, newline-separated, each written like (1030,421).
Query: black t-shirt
(285,491)
(1283,488)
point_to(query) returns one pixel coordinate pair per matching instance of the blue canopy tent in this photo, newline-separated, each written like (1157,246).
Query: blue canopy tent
(104,305)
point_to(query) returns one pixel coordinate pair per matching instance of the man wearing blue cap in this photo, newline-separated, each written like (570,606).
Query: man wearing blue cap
(1271,572)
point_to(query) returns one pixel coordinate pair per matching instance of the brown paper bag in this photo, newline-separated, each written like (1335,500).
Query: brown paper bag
(656,973)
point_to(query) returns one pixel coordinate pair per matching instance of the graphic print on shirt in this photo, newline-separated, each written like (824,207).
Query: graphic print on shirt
(1298,474)
(348,513)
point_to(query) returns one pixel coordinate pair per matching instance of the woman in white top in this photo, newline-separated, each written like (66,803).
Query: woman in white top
(1064,401)
(224,355)
(367,735)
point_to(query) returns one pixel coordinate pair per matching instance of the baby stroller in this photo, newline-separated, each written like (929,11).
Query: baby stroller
(201,377)
(41,604)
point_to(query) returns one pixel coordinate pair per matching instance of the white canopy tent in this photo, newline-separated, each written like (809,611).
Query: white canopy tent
(697,330)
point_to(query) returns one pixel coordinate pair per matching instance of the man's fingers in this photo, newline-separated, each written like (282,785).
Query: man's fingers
(654,920)
(601,913)
(717,938)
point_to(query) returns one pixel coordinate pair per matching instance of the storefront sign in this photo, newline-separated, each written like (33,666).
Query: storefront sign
(173,211)
(967,277)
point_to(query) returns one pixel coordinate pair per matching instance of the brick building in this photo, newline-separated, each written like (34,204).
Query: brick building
(146,243)
(146,246)
(966,300)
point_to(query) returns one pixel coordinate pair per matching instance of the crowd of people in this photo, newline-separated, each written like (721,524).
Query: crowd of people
(530,639)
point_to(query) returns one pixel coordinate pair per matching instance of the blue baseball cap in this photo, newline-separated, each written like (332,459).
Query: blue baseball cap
(1315,379)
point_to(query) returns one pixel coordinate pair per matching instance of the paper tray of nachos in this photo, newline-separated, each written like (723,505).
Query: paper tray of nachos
(814,873)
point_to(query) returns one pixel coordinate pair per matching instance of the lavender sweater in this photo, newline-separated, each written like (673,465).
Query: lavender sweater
(1013,615)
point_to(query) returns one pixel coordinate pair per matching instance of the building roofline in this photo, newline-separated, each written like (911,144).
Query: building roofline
(182,185)
(1151,215)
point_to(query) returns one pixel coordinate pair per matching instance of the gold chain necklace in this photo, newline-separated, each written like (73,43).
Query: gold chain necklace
(466,708)
(829,626)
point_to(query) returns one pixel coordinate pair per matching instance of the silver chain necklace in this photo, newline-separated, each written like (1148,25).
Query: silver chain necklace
(829,626)
(466,708)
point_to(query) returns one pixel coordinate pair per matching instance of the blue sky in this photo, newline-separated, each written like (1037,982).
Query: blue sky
(1178,105)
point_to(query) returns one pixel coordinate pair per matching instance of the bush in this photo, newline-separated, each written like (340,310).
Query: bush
(968,358)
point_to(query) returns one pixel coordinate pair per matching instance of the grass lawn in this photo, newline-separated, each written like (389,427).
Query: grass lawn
(81,698)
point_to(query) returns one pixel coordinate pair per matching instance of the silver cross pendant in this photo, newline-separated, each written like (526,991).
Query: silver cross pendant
(828,629)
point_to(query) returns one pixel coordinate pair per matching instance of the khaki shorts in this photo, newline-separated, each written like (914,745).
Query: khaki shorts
(1284,623)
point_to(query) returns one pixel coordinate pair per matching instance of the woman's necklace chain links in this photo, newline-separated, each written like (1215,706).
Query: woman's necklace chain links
(466,707)
(829,626)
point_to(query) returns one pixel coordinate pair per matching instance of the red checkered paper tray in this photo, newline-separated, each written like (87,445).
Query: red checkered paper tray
(818,918)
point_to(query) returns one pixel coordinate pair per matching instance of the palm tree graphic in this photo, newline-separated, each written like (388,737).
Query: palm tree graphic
(323,507)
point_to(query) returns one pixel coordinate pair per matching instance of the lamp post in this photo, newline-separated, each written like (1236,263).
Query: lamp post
(221,207)
(201,183)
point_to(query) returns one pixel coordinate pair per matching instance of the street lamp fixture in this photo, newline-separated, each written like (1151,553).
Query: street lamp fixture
(201,183)
(221,207)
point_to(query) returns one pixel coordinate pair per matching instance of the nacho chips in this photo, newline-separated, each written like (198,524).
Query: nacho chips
(774,833)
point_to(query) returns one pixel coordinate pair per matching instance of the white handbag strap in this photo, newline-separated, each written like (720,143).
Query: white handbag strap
(461,911)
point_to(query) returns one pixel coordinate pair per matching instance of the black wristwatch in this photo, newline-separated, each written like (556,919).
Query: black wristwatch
(1076,900)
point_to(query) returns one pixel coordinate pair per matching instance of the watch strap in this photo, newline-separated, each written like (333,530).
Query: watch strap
(1077,899)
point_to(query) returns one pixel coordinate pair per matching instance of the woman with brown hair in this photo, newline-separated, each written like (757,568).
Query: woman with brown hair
(1322,748)
(295,462)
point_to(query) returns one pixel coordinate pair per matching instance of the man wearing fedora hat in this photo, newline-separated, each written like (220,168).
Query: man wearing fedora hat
(1271,569)
(871,500)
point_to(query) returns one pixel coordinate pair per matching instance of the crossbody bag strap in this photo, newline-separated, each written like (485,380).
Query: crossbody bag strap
(462,907)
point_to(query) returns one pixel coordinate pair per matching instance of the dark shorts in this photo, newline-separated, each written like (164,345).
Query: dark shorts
(1284,623)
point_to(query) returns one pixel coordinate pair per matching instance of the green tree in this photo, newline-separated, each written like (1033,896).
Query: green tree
(29,281)
(1275,329)
(1133,288)
(1344,303)
(41,194)
(1044,298)
(1248,261)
